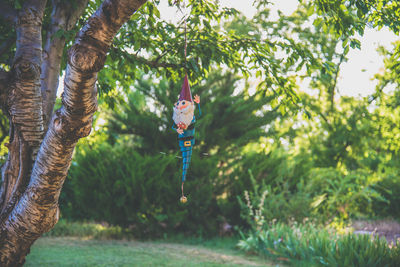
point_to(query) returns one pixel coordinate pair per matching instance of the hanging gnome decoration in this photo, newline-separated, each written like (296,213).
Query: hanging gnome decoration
(184,121)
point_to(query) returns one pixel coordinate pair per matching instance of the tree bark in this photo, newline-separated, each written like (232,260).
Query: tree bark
(21,105)
(63,18)
(35,210)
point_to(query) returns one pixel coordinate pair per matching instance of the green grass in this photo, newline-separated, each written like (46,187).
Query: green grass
(73,251)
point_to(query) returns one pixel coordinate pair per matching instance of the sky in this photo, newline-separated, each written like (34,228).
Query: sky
(356,74)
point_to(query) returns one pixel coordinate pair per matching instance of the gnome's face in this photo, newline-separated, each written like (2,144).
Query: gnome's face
(183,113)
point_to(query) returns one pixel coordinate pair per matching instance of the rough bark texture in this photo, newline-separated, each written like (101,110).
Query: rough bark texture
(21,105)
(30,197)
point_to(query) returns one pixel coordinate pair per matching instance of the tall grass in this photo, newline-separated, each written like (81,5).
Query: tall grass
(320,247)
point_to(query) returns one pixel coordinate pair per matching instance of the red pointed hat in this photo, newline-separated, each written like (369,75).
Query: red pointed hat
(185,92)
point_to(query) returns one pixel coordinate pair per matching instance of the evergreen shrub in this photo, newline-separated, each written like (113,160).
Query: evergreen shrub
(119,186)
(389,188)
(342,194)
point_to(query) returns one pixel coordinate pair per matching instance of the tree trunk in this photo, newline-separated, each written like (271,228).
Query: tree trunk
(32,178)
(22,105)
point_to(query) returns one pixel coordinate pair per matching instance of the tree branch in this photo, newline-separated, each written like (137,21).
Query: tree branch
(133,58)
(153,63)
(332,88)
(7,12)
(64,16)
(25,69)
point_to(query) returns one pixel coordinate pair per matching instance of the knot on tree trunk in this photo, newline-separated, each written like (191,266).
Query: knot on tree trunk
(26,70)
(86,57)
(31,16)
(70,129)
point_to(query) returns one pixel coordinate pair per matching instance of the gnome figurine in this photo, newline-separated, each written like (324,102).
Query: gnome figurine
(184,121)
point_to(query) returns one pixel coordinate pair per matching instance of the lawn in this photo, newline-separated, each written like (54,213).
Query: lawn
(71,251)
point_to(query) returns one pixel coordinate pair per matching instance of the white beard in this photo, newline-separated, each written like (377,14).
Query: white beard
(185,115)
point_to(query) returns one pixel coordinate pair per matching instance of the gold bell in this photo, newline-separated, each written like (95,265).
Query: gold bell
(183,199)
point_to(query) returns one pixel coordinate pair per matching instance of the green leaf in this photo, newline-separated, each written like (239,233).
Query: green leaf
(17,4)
(318,200)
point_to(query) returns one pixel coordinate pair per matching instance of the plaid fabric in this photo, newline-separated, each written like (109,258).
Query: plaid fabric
(187,135)
(186,155)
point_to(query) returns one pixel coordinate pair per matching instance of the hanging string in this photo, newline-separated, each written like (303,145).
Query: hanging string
(183,198)
(184,7)
(185,27)
(184,17)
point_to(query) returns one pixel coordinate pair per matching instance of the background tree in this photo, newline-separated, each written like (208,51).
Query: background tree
(349,17)
(335,151)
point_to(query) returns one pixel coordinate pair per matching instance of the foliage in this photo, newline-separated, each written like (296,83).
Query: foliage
(274,179)
(335,194)
(118,185)
(150,44)
(324,194)
(352,16)
(300,243)
(389,188)
(4,138)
